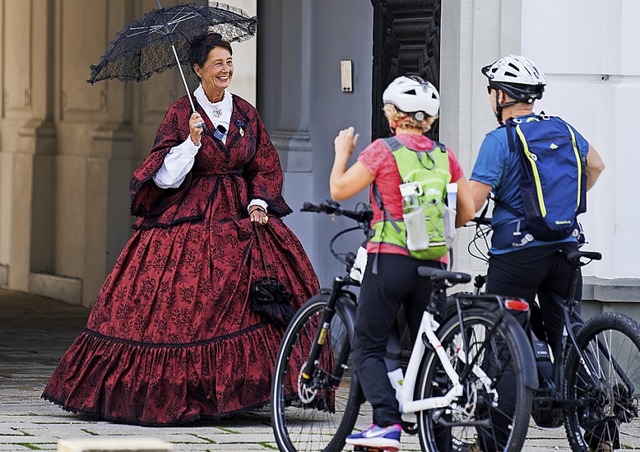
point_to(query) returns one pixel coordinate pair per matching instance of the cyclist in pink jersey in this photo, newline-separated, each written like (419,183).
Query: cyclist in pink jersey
(390,279)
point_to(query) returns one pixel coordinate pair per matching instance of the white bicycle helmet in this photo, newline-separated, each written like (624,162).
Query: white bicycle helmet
(413,95)
(518,77)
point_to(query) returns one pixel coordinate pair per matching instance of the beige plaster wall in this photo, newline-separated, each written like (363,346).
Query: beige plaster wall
(67,148)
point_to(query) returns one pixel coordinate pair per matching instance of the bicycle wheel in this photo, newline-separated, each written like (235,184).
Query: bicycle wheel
(493,414)
(608,418)
(320,415)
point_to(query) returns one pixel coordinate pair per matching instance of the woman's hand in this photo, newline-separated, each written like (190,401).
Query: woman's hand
(344,143)
(344,183)
(196,127)
(258,215)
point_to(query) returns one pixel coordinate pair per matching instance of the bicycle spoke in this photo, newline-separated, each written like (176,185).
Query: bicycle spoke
(611,346)
(309,416)
(495,404)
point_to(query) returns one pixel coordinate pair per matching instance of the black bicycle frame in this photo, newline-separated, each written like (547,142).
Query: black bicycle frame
(328,312)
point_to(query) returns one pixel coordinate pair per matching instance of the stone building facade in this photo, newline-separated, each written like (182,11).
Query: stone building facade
(67,148)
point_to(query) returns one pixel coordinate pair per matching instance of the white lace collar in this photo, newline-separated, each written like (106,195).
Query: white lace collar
(218,112)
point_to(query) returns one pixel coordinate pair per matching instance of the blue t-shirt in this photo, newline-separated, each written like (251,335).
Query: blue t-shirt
(499,168)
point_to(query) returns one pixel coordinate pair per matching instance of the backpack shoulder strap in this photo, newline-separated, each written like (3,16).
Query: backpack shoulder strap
(510,128)
(438,145)
(505,206)
(393,144)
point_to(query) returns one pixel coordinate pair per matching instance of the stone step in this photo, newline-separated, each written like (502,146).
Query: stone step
(124,444)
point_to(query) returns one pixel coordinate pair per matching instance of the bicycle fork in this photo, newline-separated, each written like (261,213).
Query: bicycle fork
(328,313)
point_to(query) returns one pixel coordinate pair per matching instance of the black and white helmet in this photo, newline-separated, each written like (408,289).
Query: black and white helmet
(518,77)
(413,95)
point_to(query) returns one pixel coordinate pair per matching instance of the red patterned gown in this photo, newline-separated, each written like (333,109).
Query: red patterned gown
(171,338)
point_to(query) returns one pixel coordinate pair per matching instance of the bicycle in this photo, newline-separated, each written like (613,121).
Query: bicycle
(451,385)
(591,381)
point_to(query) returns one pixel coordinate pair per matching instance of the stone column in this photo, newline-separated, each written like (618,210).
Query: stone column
(287,63)
(28,140)
(471,37)
(284,99)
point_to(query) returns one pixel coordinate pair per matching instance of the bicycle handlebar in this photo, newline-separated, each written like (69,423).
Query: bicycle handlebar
(485,221)
(572,257)
(362,215)
(479,221)
(334,208)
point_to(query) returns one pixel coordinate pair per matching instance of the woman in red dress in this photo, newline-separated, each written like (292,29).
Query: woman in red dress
(171,337)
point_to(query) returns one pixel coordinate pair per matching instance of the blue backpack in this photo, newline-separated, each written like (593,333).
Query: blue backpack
(553,181)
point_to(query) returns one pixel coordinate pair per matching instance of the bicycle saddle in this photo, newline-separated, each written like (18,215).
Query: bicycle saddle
(435,274)
(576,255)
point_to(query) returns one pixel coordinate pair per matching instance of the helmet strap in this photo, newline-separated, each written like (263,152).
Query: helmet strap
(500,107)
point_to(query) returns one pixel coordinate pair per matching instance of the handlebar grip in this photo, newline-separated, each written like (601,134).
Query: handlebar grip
(481,220)
(329,207)
(310,207)
(333,208)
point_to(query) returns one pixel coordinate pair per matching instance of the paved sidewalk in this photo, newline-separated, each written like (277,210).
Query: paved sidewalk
(35,332)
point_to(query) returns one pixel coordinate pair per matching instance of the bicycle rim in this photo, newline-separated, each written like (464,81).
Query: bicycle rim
(495,416)
(320,415)
(611,346)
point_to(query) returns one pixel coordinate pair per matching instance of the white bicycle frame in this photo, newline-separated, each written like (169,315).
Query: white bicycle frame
(405,391)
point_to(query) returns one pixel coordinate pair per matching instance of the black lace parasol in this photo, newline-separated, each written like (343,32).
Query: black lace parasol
(162,39)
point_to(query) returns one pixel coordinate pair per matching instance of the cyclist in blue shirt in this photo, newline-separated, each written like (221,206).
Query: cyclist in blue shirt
(503,180)
(531,267)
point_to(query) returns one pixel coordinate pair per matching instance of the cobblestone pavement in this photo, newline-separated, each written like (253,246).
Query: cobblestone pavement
(35,332)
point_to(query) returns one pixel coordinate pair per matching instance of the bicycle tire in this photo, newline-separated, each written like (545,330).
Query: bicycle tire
(611,342)
(508,380)
(317,417)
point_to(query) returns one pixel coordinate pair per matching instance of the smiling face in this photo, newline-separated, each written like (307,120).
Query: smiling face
(216,73)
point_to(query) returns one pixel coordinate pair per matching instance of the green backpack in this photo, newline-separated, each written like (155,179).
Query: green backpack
(430,171)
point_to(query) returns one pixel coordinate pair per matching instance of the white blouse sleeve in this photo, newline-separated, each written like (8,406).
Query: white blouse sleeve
(177,164)
(258,202)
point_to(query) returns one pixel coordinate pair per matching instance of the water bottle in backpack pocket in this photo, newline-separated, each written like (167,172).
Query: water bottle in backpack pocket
(413,216)
(450,213)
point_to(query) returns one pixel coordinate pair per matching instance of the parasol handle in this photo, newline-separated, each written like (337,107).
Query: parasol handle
(184,81)
(186,87)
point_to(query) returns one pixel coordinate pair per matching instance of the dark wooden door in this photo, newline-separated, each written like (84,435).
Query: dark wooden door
(406,41)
